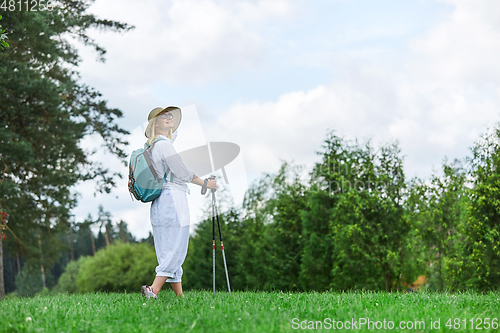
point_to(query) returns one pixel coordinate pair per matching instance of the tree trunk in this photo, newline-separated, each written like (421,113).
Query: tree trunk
(18,263)
(2,287)
(70,243)
(388,280)
(106,237)
(92,242)
(41,263)
(440,267)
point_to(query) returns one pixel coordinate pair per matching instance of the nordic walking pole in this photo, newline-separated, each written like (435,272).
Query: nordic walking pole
(215,214)
(213,241)
(203,191)
(214,200)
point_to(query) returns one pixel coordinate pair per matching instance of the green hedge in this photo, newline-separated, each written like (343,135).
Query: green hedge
(119,267)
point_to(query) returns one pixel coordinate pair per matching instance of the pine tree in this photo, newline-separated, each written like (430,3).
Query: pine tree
(3,45)
(287,204)
(354,226)
(479,262)
(435,212)
(123,234)
(44,115)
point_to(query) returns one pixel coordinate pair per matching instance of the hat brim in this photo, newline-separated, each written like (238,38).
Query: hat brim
(172,109)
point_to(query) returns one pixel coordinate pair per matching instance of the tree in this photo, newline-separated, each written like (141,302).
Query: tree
(3,45)
(83,239)
(435,211)
(354,227)
(479,262)
(104,220)
(148,239)
(44,115)
(67,281)
(286,248)
(198,264)
(3,37)
(254,262)
(3,237)
(123,234)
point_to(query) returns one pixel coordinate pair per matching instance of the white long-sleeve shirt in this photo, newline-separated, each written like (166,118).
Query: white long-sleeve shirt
(169,213)
(166,160)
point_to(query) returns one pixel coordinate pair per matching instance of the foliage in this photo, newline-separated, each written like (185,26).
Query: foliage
(285,229)
(198,264)
(44,115)
(253,260)
(262,247)
(479,260)
(29,281)
(123,234)
(360,225)
(327,235)
(118,267)
(436,212)
(67,281)
(3,237)
(81,238)
(3,37)
(355,225)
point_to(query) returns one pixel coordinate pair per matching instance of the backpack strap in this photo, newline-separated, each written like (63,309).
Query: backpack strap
(146,146)
(150,164)
(149,161)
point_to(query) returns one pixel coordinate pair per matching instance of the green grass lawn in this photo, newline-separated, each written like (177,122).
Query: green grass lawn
(200,311)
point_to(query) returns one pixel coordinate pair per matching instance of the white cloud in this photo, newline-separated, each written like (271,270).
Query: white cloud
(430,100)
(186,41)
(294,127)
(464,47)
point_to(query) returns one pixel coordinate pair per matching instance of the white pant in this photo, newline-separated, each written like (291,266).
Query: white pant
(169,215)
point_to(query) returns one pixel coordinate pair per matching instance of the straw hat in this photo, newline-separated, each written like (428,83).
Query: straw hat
(172,109)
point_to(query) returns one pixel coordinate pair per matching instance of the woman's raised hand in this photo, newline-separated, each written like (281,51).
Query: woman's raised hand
(212,184)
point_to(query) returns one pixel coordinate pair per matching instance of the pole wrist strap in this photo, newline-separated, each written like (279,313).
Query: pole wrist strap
(204,187)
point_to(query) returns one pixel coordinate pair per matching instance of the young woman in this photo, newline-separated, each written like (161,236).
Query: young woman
(170,211)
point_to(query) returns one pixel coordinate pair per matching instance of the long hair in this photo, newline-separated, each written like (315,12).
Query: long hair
(151,131)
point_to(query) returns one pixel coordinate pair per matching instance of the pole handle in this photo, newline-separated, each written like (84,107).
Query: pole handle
(204,186)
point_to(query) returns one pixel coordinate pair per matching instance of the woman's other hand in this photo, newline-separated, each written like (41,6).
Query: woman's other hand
(212,184)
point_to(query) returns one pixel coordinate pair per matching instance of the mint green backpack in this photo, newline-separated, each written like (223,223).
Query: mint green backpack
(143,183)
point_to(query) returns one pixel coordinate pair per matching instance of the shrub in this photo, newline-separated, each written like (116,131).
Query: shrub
(119,267)
(67,281)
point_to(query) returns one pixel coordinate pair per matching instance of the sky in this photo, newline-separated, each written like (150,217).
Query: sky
(275,76)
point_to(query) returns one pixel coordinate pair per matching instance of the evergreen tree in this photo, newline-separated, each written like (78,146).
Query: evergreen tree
(3,237)
(361,226)
(479,261)
(3,37)
(198,272)
(104,220)
(286,204)
(123,234)
(254,262)
(148,239)
(436,215)
(84,239)
(354,226)
(44,115)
